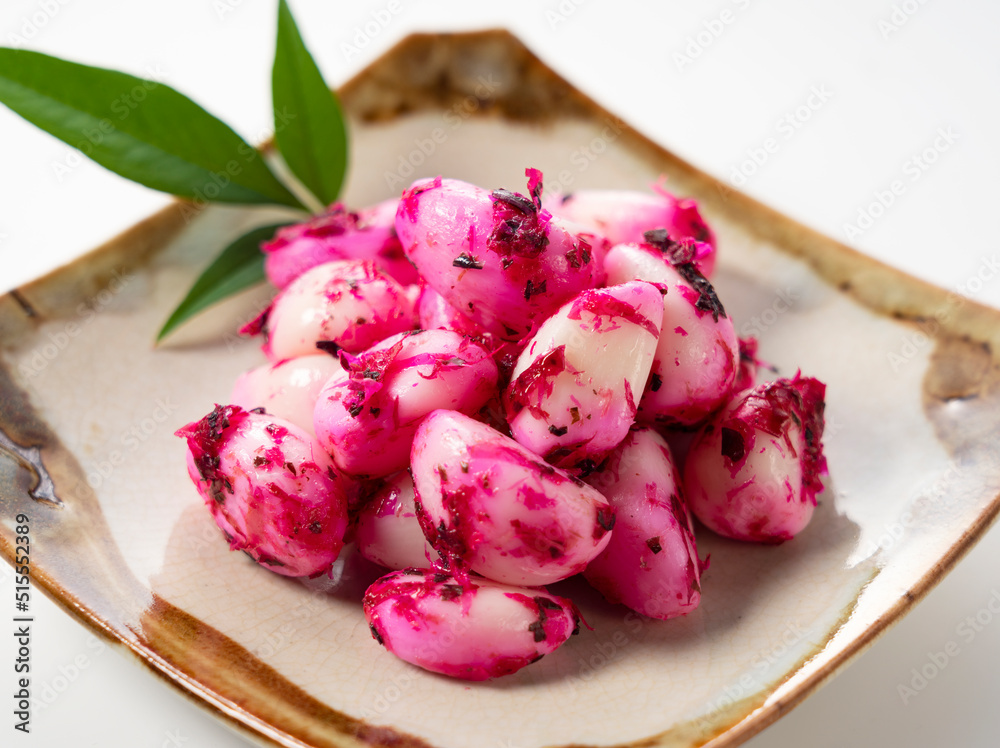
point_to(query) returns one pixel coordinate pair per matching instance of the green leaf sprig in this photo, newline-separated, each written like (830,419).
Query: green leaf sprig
(313,141)
(238,266)
(169,143)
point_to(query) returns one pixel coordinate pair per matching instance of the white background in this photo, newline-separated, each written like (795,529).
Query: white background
(710,80)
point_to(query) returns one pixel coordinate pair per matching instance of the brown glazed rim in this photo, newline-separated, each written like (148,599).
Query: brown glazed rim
(415,76)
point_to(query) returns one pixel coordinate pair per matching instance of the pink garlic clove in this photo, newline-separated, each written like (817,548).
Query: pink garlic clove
(338,234)
(651,564)
(388,532)
(753,471)
(288,389)
(495,256)
(270,487)
(488,503)
(366,416)
(624,216)
(346,304)
(697,355)
(435,313)
(472,629)
(574,390)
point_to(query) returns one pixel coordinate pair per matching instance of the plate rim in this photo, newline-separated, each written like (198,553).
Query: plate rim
(842,267)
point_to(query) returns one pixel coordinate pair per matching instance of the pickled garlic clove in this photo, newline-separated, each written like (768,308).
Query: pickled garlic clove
(651,564)
(366,416)
(346,304)
(435,313)
(574,390)
(625,216)
(697,355)
(271,488)
(495,256)
(487,503)
(388,532)
(288,389)
(753,471)
(338,234)
(473,629)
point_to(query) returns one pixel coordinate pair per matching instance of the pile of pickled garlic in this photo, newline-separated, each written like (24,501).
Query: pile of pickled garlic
(478,390)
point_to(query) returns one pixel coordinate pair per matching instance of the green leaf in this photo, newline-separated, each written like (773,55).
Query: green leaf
(141,129)
(239,266)
(308,123)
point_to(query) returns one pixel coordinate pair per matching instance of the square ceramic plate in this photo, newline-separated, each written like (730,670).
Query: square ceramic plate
(88,407)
